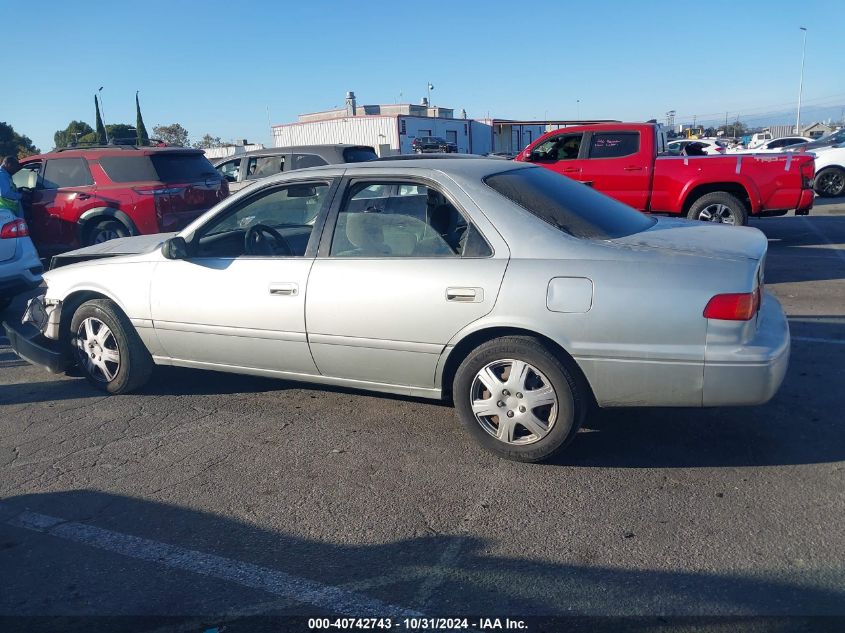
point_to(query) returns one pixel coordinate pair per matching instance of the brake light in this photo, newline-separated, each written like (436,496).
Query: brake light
(733,307)
(808,170)
(13,229)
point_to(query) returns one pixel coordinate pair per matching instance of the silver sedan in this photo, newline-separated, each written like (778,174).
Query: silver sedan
(524,297)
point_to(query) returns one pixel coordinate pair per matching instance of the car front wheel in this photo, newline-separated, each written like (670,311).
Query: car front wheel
(517,399)
(830,182)
(107,348)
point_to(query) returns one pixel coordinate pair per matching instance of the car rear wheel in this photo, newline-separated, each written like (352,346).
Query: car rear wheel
(517,399)
(104,231)
(108,349)
(719,207)
(830,182)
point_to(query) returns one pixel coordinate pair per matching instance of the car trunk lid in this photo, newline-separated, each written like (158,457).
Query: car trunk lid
(703,239)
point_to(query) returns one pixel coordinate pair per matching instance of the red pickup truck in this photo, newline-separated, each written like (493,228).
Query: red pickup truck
(626,161)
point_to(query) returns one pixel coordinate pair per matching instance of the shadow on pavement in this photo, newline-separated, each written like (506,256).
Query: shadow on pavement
(86,564)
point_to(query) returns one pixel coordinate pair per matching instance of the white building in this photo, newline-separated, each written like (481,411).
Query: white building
(391,128)
(232,149)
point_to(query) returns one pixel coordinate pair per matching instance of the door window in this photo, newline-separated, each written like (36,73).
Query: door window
(27,177)
(389,219)
(263,166)
(66,172)
(230,169)
(275,223)
(301,161)
(614,144)
(560,147)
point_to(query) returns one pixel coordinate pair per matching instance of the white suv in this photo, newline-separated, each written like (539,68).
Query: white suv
(20,268)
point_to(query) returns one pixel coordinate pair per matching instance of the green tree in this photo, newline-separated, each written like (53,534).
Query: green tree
(734,129)
(173,134)
(70,135)
(101,129)
(14,144)
(208,141)
(121,133)
(142,138)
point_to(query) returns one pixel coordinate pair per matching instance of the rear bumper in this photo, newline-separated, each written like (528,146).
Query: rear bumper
(28,343)
(752,373)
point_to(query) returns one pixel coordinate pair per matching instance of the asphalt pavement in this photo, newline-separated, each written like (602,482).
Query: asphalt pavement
(218,497)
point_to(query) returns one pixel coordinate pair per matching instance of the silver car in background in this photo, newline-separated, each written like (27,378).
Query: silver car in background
(522,296)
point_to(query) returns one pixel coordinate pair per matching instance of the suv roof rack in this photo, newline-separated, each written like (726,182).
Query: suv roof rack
(114,143)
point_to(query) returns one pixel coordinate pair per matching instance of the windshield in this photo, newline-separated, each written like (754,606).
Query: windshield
(570,206)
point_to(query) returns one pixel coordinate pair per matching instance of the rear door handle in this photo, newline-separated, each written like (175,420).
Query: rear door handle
(571,170)
(83,196)
(286,289)
(633,168)
(465,295)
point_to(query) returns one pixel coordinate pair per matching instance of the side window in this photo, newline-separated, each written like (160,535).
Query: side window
(27,177)
(301,161)
(408,220)
(263,166)
(560,147)
(275,223)
(614,144)
(66,172)
(230,169)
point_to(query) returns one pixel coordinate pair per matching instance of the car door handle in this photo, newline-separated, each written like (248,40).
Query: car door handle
(83,196)
(571,170)
(633,168)
(284,289)
(465,295)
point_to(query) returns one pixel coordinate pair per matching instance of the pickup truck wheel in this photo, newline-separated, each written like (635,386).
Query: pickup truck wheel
(517,399)
(830,182)
(107,348)
(720,207)
(104,231)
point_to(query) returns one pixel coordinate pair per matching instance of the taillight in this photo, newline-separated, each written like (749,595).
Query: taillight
(721,150)
(734,307)
(13,229)
(808,169)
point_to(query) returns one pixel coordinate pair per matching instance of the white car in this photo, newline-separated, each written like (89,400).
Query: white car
(710,147)
(778,144)
(830,172)
(20,268)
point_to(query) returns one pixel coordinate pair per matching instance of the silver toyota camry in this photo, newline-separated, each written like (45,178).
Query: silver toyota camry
(524,297)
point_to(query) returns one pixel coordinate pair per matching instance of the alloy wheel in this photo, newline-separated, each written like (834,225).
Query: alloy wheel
(832,182)
(719,213)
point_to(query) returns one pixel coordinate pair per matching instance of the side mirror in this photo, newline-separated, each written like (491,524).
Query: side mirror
(529,157)
(175,248)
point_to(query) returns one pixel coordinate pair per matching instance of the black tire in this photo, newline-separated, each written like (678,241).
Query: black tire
(104,231)
(830,182)
(134,364)
(728,206)
(571,398)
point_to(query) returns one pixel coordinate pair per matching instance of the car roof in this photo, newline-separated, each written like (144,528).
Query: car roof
(462,166)
(304,149)
(115,150)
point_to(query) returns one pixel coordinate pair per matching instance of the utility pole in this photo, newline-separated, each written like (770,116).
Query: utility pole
(801,82)
(103,113)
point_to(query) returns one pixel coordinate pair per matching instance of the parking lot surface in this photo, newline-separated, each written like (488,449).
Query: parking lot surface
(220,496)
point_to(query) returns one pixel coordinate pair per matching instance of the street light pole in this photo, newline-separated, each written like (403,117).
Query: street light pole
(578,109)
(801,82)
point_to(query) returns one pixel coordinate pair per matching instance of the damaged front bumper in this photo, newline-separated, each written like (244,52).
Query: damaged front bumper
(36,338)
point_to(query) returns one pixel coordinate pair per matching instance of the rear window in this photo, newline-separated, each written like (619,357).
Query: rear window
(162,167)
(570,206)
(359,154)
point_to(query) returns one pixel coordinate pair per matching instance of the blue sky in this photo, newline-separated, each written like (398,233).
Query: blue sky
(218,67)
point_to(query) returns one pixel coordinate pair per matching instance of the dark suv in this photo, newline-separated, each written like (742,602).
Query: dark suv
(241,170)
(423,144)
(87,196)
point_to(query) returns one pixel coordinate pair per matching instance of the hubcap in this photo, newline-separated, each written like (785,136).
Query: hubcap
(717,213)
(105,236)
(97,350)
(831,183)
(514,402)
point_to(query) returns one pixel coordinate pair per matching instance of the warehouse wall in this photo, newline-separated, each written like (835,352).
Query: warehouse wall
(377,131)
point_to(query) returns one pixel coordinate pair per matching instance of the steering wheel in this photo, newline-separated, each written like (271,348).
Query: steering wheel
(261,239)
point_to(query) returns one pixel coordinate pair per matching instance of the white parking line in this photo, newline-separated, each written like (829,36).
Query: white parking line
(301,590)
(812,339)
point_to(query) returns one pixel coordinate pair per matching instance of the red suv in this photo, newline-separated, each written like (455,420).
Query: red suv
(86,196)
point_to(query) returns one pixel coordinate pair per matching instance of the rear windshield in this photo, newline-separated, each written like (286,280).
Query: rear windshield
(570,206)
(359,154)
(160,167)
